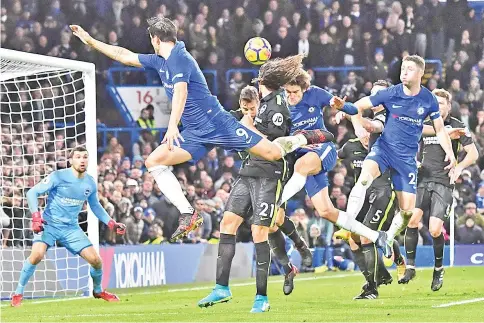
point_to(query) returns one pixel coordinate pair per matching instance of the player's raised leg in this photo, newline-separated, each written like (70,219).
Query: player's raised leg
(370,170)
(309,164)
(406,203)
(30,264)
(92,257)
(158,164)
(325,208)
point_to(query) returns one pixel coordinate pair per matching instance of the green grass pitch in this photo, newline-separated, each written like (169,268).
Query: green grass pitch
(324,297)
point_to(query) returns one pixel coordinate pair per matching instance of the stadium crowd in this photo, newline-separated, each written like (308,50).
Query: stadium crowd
(370,33)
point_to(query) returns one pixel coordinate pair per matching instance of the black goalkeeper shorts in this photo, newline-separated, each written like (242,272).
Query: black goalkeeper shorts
(434,199)
(382,208)
(257,197)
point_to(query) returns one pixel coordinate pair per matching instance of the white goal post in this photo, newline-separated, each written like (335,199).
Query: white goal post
(47,106)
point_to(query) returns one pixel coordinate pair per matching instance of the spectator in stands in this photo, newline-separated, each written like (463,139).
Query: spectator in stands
(395,13)
(155,235)
(342,257)
(315,238)
(283,45)
(350,87)
(300,220)
(458,94)
(379,69)
(18,41)
(469,232)
(471,211)
(421,22)
(322,52)
(134,226)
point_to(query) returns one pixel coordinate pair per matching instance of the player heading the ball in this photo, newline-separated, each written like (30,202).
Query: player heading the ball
(205,122)
(68,190)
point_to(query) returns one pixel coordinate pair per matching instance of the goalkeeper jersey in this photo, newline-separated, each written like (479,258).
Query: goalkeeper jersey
(67,195)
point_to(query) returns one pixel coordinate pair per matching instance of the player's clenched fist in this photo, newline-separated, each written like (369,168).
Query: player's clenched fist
(37,222)
(80,33)
(120,227)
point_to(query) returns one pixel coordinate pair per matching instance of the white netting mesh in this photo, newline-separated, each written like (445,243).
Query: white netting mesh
(41,117)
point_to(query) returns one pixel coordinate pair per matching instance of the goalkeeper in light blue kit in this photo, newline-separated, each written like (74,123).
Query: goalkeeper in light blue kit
(68,190)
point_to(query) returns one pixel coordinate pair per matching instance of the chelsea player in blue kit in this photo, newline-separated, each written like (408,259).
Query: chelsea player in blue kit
(315,161)
(68,190)
(407,104)
(206,124)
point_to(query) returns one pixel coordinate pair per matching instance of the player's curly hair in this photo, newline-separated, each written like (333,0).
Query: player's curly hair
(163,28)
(277,72)
(303,80)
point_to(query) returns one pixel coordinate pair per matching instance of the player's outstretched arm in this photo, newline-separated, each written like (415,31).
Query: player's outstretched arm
(454,133)
(102,215)
(116,53)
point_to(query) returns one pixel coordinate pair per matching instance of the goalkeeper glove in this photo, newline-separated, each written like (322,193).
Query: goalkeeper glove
(120,227)
(37,222)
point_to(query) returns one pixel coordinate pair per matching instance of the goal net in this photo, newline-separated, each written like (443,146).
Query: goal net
(48,106)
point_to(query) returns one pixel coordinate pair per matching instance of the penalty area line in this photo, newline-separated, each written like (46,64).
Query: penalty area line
(468,301)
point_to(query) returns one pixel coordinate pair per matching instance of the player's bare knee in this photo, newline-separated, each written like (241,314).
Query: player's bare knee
(407,214)
(259,233)
(365,240)
(35,258)
(435,232)
(329,213)
(228,225)
(365,179)
(96,263)
(153,161)
(301,167)
(273,154)
(413,223)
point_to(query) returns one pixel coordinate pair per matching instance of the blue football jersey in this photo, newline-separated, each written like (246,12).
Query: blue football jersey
(201,106)
(67,194)
(404,118)
(308,113)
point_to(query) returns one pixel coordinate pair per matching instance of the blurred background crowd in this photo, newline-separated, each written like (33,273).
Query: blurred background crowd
(375,34)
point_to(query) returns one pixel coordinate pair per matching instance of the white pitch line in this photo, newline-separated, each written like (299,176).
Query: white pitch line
(469,301)
(191,289)
(188,289)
